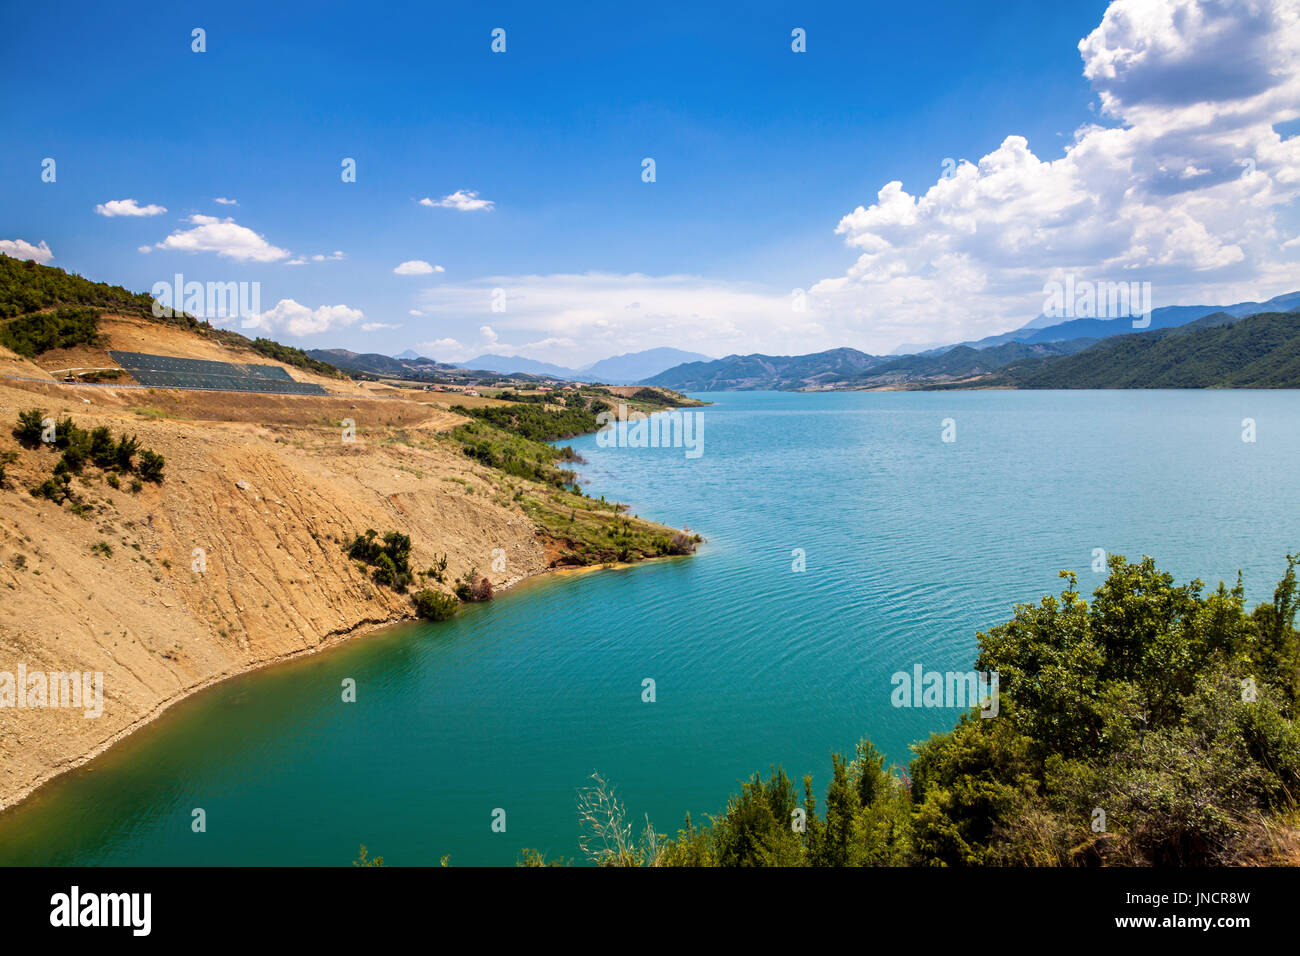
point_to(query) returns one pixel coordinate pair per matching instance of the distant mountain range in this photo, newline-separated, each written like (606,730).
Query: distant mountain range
(1096,353)
(751,372)
(625,369)
(633,367)
(506,364)
(619,370)
(397,366)
(1045,329)
(1033,346)
(849,368)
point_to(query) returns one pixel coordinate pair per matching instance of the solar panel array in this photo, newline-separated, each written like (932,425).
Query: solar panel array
(273,372)
(166,371)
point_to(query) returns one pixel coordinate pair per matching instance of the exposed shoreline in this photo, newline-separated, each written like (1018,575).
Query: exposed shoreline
(329,642)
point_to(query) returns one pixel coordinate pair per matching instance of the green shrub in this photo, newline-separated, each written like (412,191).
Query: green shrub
(438,571)
(125,452)
(67,433)
(390,558)
(151,466)
(434,605)
(102,449)
(29,429)
(57,488)
(73,459)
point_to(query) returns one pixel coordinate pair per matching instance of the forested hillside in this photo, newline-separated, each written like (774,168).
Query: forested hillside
(1262,351)
(960,363)
(44,308)
(746,372)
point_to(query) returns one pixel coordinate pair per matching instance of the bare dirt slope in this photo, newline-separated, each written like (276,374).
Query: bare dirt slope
(267,490)
(12,364)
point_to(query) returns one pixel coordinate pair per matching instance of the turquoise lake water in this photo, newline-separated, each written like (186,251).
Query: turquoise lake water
(912,545)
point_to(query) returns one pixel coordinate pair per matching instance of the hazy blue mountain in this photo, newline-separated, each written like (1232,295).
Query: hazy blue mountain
(618,370)
(923,348)
(635,366)
(1044,329)
(505,364)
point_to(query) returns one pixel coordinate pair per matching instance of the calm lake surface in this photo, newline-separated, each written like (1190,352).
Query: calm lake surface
(912,546)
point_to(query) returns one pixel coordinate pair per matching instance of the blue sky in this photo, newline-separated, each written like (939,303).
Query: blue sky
(760,154)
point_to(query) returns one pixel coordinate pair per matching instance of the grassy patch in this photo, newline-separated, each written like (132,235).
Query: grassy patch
(590,531)
(510,453)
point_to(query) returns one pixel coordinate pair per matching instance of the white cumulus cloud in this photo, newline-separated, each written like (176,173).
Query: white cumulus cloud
(1191,188)
(462,199)
(417,267)
(298,319)
(22,249)
(226,238)
(128,207)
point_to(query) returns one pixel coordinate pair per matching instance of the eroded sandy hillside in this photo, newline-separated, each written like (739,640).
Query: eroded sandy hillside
(267,489)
